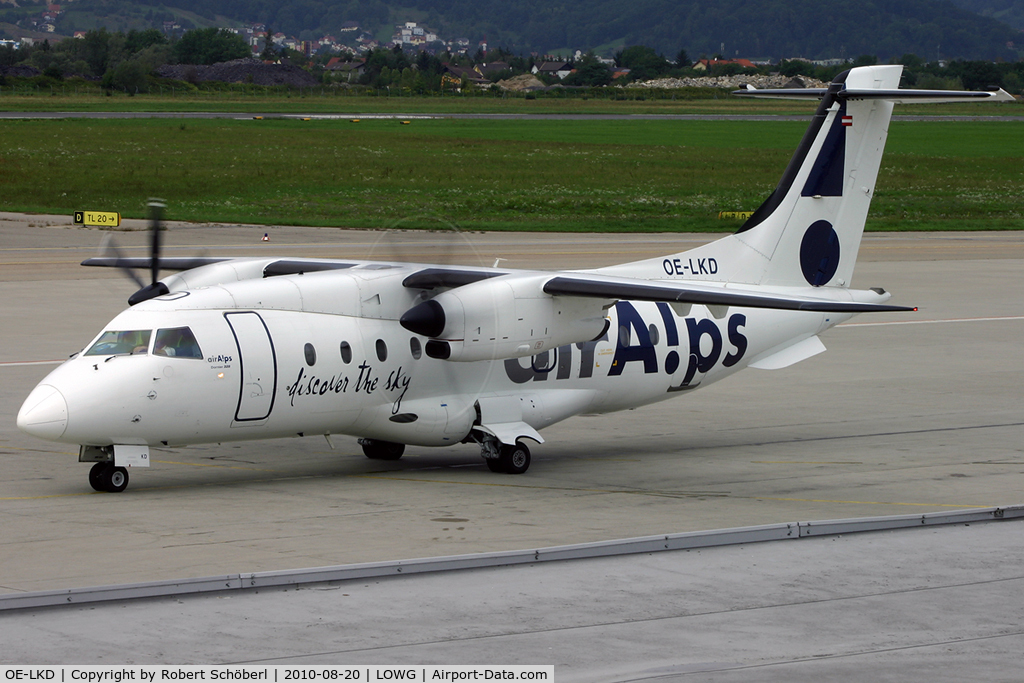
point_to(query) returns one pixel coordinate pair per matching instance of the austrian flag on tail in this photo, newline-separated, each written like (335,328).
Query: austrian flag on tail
(847,120)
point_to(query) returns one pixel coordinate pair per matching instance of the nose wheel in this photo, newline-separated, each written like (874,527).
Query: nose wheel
(105,477)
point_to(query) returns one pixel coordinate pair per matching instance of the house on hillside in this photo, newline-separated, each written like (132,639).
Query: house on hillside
(455,76)
(558,69)
(489,68)
(350,71)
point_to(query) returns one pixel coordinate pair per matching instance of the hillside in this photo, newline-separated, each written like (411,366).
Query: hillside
(1008,11)
(765,28)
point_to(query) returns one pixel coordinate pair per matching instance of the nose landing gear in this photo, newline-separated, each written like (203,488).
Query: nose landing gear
(105,477)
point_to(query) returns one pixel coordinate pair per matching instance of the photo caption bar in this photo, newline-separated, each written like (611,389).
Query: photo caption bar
(146,673)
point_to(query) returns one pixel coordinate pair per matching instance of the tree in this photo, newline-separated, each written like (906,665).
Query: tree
(977,75)
(643,62)
(130,76)
(209,46)
(136,41)
(269,53)
(96,50)
(683,59)
(911,61)
(9,56)
(589,71)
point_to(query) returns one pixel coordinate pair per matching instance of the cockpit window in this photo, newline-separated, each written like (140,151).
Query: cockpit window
(120,342)
(178,342)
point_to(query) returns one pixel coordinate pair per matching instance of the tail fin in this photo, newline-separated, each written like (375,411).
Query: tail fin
(808,231)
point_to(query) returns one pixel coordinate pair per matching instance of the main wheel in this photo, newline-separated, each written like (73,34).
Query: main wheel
(515,459)
(382,450)
(96,476)
(494,464)
(103,476)
(116,479)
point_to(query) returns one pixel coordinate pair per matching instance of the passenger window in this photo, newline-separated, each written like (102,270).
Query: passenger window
(382,350)
(414,346)
(655,337)
(176,342)
(310,354)
(346,352)
(121,342)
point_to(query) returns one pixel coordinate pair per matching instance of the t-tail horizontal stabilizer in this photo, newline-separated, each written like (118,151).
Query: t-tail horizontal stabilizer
(898,96)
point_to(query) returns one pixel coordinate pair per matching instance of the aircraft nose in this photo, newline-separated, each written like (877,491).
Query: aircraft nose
(44,413)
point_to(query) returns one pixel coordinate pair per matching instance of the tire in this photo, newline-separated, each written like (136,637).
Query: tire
(515,459)
(494,465)
(382,450)
(116,479)
(96,476)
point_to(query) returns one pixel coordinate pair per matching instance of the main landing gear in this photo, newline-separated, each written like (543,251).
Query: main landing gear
(105,477)
(503,458)
(375,449)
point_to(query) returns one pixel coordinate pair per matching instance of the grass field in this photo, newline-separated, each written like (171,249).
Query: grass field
(490,175)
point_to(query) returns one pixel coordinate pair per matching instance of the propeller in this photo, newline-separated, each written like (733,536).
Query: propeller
(444,244)
(115,258)
(111,257)
(155,288)
(109,248)
(156,214)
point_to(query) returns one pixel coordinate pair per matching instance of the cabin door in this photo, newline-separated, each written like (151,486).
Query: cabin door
(258,366)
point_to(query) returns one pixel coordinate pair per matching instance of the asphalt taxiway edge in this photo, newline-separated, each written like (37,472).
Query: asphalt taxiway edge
(628,546)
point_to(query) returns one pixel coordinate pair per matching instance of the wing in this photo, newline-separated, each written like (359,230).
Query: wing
(691,293)
(520,313)
(145,262)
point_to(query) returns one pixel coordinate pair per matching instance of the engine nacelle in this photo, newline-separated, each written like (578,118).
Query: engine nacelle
(504,318)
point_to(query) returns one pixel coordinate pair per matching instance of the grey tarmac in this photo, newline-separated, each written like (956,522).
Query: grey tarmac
(905,413)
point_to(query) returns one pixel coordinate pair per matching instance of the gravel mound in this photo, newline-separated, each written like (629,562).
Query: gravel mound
(19,71)
(521,82)
(732,82)
(247,70)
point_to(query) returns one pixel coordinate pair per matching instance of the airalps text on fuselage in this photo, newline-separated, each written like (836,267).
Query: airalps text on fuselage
(702,342)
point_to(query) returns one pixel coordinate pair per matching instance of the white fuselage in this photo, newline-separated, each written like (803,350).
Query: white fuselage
(313,354)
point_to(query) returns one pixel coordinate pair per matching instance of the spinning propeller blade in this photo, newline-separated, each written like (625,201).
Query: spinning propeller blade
(155,287)
(156,211)
(109,249)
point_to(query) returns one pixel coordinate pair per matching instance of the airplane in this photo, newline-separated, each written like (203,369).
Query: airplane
(395,354)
